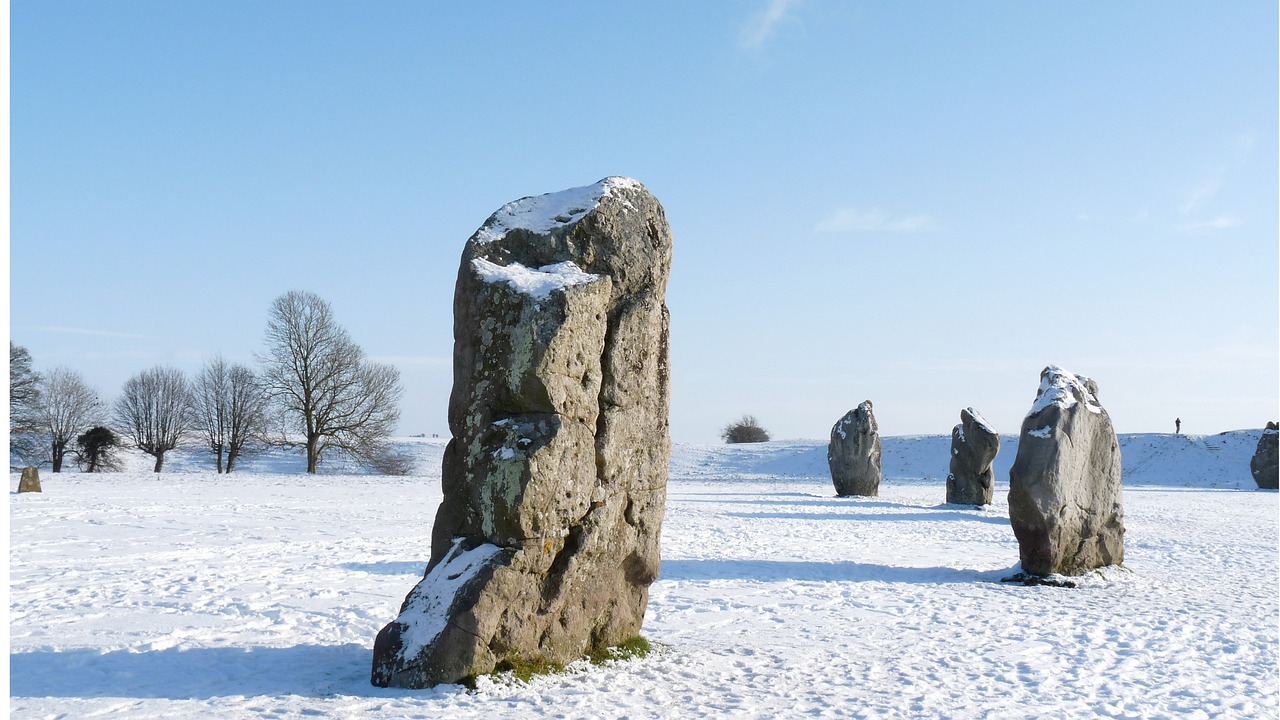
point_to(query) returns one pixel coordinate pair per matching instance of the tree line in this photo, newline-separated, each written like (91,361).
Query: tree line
(315,390)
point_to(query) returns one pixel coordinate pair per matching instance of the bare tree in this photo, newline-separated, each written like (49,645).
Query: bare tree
(66,406)
(228,409)
(209,410)
(153,411)
(327,393)
(746,430)
(24,397)
(248,413)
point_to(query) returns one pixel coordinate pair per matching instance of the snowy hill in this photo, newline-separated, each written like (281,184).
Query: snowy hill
(1204,461)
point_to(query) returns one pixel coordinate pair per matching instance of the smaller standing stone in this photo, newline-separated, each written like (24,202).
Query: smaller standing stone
(30,481)
(1265,464)
(974,444)
(854,453)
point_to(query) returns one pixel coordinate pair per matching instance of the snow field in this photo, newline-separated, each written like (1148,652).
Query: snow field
(258,595)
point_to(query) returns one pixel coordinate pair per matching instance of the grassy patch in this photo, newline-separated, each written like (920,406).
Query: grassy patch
(636,647)
(523,670)
(518,669)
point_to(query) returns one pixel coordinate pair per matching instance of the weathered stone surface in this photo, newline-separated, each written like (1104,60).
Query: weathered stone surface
(30,481)
(1265,461)
(974,445)
(854,453)
(546,541)
(1064,486)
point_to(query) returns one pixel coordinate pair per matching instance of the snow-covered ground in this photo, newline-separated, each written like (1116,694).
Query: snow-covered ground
(192,595)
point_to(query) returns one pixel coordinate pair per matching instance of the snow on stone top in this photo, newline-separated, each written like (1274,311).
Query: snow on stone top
(544,213)
(847,420)
(537,282)
(1061,388)
(981,421)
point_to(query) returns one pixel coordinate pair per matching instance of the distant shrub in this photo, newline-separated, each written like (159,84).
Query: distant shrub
(387,460)
(746,430)
(96,450)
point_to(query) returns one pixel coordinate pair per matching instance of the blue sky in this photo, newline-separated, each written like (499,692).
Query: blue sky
(919,203)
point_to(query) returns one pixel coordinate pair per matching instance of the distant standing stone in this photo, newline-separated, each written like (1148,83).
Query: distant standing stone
(1064,486)
(854,453)
(974,445)
(1266,459)
(30,481)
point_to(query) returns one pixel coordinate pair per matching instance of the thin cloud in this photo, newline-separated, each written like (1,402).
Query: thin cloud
(848,220)
(1222,222)
(97,333)
(1242,149)
(1245,144)
(1202,194)
(764,25)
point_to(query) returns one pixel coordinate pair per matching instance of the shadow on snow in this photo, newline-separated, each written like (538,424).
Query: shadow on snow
(807,501)
(801,571)
(201,673)
(403,567)
(861,517)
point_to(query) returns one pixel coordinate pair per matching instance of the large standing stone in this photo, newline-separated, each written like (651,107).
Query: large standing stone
(30,481)
(1265,461)
(974,445)
(1064,486)
(546,541)
(854,453)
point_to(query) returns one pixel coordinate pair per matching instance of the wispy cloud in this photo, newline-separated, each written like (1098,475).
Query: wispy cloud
(1244,146)
(849,220)
(90,331)
(1222,222)
(762,26)
(1203,194)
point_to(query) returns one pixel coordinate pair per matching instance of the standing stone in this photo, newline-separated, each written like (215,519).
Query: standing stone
(854,453)
(1064,486)
(30,481)
(1266,459)
(546,541)
(974,445)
